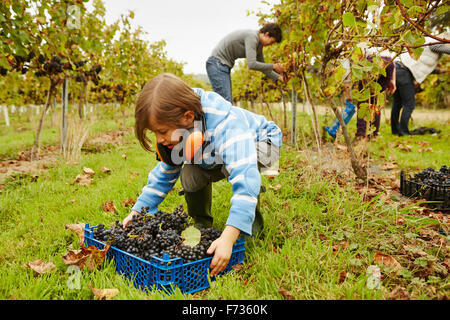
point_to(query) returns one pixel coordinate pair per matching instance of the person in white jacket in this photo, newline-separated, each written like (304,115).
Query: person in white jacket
(409,70)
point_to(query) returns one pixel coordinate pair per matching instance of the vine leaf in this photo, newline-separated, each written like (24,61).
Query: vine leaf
(191,236)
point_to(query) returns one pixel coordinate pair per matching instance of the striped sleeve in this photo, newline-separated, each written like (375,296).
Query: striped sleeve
(160,181)
(238,152)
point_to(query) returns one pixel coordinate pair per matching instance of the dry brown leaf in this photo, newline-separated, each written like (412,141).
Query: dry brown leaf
(322,237)
(88,171)
(105,170)
(400,221)
(275,188)
(78,229)
(387,261)
(399,293)
(83,179)
(41,267)
(342,245)
(342,276)
(286,294)
(104,294)
(425,150)
(423,143)
(237,267)
(109,206)
(128,203)
(389,166)
(89,257)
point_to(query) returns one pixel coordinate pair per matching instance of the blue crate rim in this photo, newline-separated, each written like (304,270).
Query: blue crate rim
(237,247)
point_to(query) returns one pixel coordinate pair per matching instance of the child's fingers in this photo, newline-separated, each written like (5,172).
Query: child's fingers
(212,248)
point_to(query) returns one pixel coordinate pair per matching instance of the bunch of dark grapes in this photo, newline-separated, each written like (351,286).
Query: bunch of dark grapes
(431,177)
(147,236)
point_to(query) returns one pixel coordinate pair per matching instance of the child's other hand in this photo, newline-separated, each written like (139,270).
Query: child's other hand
(128,219)
(222,248)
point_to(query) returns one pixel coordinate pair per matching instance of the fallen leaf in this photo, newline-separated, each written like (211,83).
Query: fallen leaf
(342,276)
(128,203)
(272,247)
(423,143)
(404,147)
(286,294)
(90,257)
(389,166)
(277,187)
(425,150)
(387,261)
(83,179)
(104,294)
(399,293)
(41,267)
(322,237)
(105,170)
(400,221)
(78,229)
(237,267)
(109,206)
(88,171)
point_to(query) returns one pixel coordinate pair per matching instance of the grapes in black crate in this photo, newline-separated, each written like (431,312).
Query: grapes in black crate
(155,235)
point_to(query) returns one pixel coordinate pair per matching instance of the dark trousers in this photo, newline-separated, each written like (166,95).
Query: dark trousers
(361,123)
(404,98)
(197,185)
(219,76)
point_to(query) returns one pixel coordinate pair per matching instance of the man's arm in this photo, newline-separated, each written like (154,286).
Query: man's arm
(251,45)
(441,48)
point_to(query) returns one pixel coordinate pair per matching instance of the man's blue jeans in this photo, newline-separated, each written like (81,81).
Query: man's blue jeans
(219,76)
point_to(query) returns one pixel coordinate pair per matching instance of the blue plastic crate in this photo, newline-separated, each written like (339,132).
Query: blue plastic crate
(163,273)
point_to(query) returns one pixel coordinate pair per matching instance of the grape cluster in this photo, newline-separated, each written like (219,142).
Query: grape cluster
(431,177)
(147,236)
(18,63)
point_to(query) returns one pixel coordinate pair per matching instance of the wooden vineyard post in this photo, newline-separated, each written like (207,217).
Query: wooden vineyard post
(294,118)
(64,111)
(5,113)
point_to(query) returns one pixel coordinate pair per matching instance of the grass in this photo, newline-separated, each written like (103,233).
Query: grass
(307,222)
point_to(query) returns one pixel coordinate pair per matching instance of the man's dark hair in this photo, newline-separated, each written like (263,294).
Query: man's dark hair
(273,29)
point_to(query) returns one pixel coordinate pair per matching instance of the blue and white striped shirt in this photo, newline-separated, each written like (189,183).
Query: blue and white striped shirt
(232,133)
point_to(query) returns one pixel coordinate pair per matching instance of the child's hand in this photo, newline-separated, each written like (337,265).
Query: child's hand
(128,219)
(222,249)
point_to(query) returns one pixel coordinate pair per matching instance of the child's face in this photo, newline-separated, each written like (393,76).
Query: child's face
(168,135)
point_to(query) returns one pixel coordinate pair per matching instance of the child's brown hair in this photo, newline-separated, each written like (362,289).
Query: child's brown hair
(163,100)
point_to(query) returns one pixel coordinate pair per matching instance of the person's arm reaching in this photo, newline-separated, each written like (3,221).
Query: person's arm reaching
(160,181)
(256,62)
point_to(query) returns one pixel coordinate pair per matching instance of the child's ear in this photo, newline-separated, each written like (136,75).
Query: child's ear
(188,118)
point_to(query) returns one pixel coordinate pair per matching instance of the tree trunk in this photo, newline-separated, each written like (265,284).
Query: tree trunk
(36,145)
(359,171)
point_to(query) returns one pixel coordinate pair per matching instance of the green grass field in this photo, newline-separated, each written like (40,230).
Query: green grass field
(321,233)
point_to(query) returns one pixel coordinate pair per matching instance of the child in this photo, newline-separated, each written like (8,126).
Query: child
(236,145)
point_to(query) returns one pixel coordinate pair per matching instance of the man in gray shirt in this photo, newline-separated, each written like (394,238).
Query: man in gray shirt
(243,44)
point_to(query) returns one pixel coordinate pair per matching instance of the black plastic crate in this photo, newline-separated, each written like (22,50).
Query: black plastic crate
(418,190)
